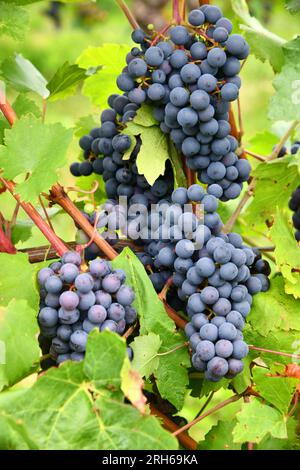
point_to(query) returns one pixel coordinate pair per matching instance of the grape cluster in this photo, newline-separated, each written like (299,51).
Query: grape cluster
(191,80)
(294,205)
(219,286)
(74,301)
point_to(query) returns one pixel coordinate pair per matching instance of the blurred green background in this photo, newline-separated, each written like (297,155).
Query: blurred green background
(48,45)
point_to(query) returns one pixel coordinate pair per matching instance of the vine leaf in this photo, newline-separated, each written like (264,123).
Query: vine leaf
(17,358)
(264,44)
(277,340)
(286,253)
(145,350)
(256,420)
(284,104)
(64,410)
(153,154)
(13,435)
(179,176)
(24,76)
(171,373)
(13,21)
(65,81)
(35,148)
(24,105)
(276,390)
(220,437)
(293,6)
(103,64)
(274,310)
(105,346)
(132,387)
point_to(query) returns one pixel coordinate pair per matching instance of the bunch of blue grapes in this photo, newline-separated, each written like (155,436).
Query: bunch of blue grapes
(76,299)
(214,276)
(218,284)
(191,79)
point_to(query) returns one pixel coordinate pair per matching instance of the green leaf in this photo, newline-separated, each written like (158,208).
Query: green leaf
(144,116)
(13,21)
(278,391)
(276,340)
(19,350)
(285,103)
(153,154)
(24,105)
(220,437)
(293,6)
(176,162)
(65,81)
(275,181)
(84,125)
(24,76)
(35,148)
(112,350)
(145,350)
(287,253)
(18,270)
(108,60)
(264,44)
(172,378)
(143,432)
(291,443)
(64,410)
(263,143)
(274,310)
(20,232)
(256,420)
(13,435)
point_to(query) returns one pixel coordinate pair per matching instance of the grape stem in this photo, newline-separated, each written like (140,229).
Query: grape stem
(185,440)
(234,131)
(162,295)
(294,407)
(58,196)
(183,10)
(283,140)
(249,193)
(271,351)
(176,12)
(53,239)
(255,155)
(207,413)
(6,246)
(129,15)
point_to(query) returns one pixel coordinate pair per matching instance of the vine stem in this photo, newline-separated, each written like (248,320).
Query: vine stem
(176,12)
(53,239)
(230,223)
(180,322)
(234,130)
(184,439)
(255,155)
(294,407)
(183,10)
(283,140)
(207,413)
(271,351)
(7,110)
(58,196)
(129,15)
(6,245)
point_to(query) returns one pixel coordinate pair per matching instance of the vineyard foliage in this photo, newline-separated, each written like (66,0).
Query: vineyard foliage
(103,402)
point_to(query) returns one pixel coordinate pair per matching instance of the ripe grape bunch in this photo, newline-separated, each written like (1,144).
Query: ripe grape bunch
(190,78)
(74,301)
(219,286)
(216,276)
